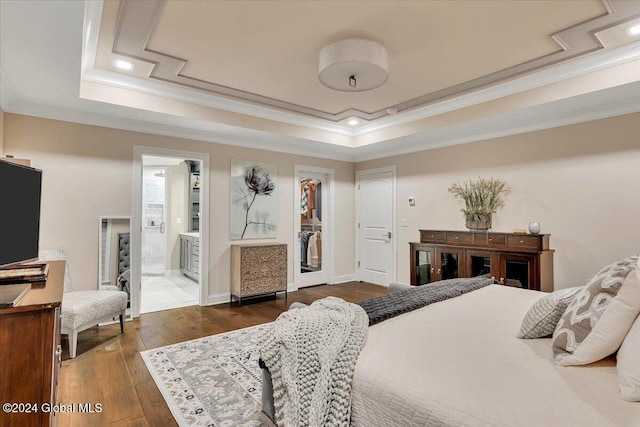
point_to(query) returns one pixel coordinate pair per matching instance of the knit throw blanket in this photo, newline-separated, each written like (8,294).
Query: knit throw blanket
(311,354)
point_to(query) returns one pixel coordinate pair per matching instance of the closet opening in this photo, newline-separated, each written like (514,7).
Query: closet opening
(310,225)
(312,218)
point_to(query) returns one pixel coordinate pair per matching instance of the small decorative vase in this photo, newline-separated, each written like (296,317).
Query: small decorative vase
(478,222)
(534,227)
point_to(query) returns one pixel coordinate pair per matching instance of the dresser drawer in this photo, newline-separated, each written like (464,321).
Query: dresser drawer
(496,240)
(523,241)
(428,236)
(459,238)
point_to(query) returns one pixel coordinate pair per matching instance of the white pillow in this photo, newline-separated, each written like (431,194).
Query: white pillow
(600,316)
(629,364)
(543,316)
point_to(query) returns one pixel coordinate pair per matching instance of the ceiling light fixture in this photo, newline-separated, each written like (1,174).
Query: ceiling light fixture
(353,65)
(353,122)
(124,65)
(633,31)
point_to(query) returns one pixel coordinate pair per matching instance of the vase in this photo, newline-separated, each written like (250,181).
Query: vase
(478,222)
(534,227)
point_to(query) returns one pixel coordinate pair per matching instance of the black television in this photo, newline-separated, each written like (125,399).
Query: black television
(20,190)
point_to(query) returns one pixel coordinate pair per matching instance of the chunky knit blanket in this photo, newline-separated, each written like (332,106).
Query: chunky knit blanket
(311,354)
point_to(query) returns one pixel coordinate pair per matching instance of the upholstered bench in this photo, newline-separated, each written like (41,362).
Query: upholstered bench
(84,309)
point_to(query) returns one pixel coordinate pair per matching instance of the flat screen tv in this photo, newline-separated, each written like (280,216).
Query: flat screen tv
(20,189)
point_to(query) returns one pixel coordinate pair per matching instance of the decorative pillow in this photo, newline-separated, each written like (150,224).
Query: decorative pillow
(629,364)
(598,319)
(543,316)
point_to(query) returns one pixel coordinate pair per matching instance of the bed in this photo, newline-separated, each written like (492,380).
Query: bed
(458,363)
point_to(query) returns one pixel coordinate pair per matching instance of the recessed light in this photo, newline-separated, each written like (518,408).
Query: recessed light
(353,122)
(124,65)
(633,31)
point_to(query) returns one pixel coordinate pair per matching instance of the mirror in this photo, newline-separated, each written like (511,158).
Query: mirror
(114,254)
(310,223)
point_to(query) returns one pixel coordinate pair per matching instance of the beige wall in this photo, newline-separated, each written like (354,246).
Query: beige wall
(581,182)
(1,132)
(88,172)
(178,180)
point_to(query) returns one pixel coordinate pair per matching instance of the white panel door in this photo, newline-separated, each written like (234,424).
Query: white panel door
(376,252)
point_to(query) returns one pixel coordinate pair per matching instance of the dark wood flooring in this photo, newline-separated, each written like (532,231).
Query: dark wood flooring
(109,370)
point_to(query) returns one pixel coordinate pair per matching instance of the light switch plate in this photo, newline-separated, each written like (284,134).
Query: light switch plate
(404,222)
(412,201)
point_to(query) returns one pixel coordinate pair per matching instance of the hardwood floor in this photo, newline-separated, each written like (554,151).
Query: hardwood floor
(109,370)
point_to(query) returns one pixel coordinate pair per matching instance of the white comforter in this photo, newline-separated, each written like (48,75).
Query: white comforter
(457,363)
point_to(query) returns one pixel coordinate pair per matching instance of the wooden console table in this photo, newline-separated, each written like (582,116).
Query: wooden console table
(30,352)
(258,269)
(442,254)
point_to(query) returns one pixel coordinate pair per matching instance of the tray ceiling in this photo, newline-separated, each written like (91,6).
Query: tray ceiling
(245,72)
(266,52)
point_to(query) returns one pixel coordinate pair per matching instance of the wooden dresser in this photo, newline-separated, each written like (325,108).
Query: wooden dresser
(509,257)
(258,269)
(30,353)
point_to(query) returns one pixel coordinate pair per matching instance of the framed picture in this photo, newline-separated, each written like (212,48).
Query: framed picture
(254,200)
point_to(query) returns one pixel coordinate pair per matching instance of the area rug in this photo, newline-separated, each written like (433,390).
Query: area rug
(213,381)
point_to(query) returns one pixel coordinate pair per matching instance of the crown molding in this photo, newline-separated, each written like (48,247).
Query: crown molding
(171,90)
(177,127)
(8,95)
(137,20)
(534,119)
(622,101)
(90,34)
(575,68)
(197,97)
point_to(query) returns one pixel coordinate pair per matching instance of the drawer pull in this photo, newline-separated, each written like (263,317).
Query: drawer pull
(521,241)
(457,237)
(432,236)
(491,240)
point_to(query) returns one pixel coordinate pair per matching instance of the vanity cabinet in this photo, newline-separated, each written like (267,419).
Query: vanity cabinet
(190,255)
(513,259)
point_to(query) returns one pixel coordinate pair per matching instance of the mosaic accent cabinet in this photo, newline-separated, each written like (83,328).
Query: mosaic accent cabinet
(258,269)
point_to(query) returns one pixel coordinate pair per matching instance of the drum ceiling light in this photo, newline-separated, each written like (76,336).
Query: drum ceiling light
(353,65)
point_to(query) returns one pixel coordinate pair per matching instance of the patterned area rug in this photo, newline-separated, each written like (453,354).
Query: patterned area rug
(213,381)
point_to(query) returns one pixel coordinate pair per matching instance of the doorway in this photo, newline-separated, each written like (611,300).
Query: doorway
(168,194)
(375,230)
(154,218)
(313,213)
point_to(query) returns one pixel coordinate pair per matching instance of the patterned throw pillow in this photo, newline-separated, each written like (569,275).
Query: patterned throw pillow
(629,365)
(542,318)
(598,319)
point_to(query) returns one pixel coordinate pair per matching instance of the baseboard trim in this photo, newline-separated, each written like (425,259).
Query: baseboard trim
(343,279)
(219,298)
(225,298)
(172,273)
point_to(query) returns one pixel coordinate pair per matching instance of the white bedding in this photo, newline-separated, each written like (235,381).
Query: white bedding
(458,363)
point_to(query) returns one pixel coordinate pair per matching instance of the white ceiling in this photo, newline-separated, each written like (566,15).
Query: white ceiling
(459,71)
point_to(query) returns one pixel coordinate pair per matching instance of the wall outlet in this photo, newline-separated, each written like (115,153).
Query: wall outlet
(404,222)
(178,220)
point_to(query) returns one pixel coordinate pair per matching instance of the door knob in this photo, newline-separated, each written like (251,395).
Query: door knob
(388,235)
